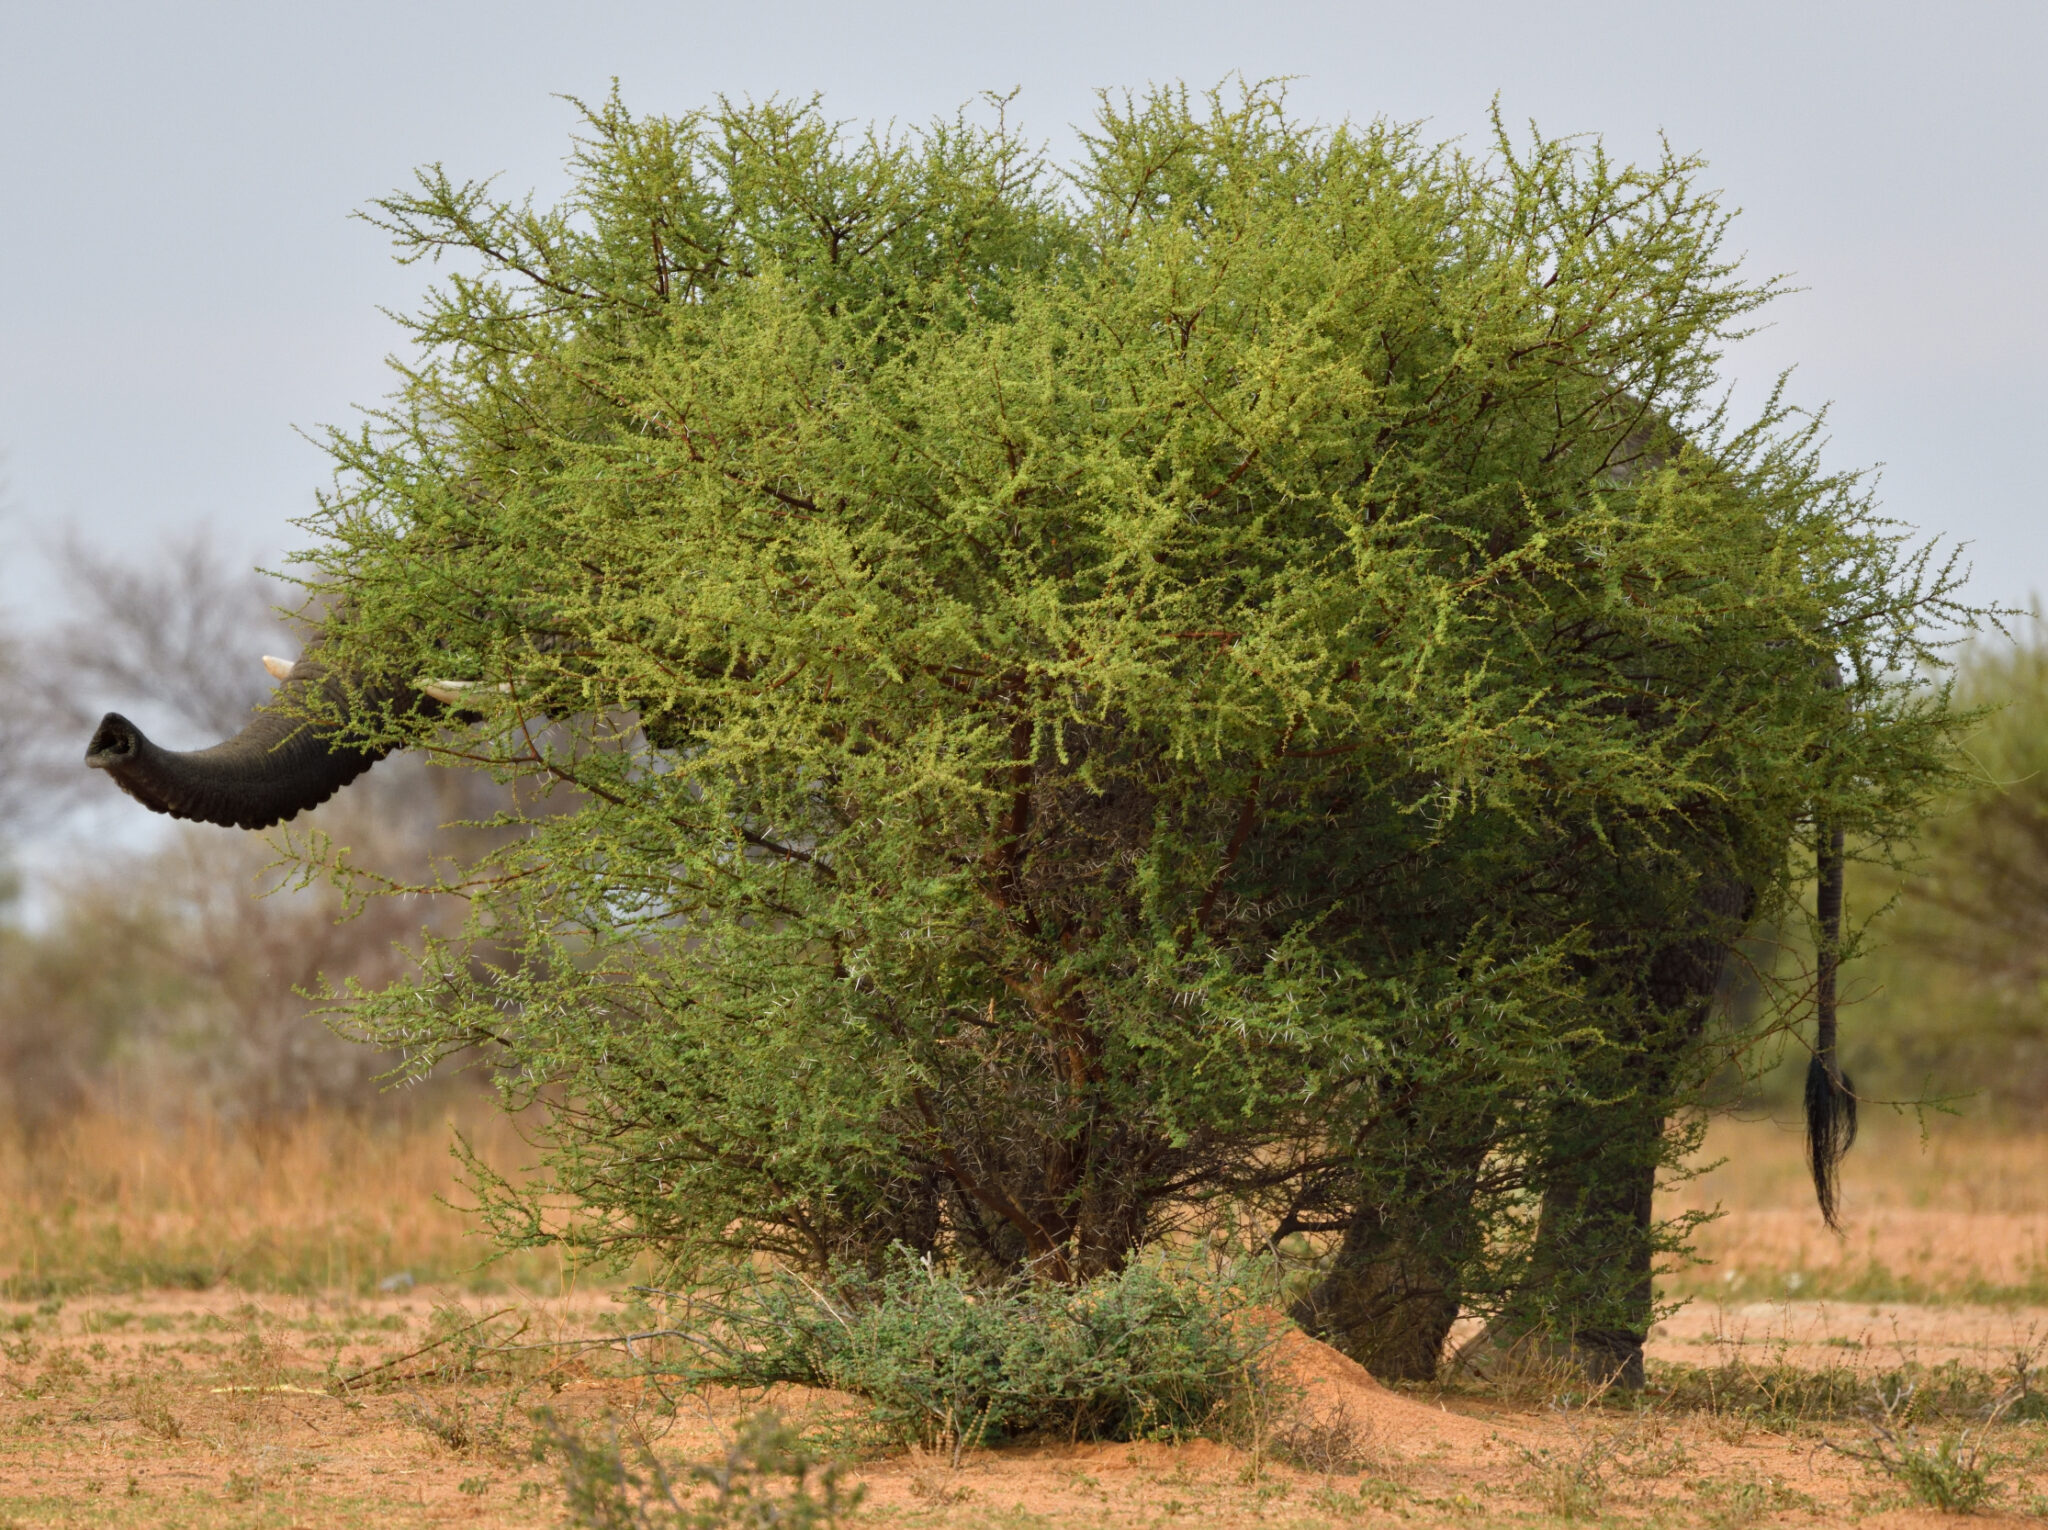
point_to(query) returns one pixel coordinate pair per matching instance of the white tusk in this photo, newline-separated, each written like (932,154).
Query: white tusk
(280,669)
(449,692)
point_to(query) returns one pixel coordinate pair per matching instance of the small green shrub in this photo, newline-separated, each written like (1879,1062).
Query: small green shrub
(1570,1484)
(613,1484)
(1952,1475)
(1153,1351)
(1749,1500)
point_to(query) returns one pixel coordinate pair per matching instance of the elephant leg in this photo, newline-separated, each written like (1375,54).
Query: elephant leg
(1393,1288)
(1586,1295)
(1588,1291)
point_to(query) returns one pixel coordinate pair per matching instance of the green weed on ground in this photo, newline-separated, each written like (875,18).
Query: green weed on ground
(1155,1351)
(612,1479)
(1777,1395)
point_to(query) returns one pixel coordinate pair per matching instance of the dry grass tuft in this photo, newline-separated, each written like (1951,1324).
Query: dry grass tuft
(1330,1441)
(152,1409)
(326,1203)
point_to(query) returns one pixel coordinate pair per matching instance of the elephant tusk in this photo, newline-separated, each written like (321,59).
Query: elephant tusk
(280,669)
(449,692)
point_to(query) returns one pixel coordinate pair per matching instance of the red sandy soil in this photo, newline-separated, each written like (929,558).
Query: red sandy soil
(208,1409)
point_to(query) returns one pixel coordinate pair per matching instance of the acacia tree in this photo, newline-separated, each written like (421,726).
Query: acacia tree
(1209,679)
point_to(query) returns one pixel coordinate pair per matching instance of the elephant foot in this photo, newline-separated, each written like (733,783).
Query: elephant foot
(1538,1360)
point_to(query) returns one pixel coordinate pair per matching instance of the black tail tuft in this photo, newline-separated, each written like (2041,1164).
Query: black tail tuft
(1830,1130)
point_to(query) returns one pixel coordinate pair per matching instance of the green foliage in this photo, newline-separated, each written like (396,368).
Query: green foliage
(1213,676)
(612,1483)
(1154,1351)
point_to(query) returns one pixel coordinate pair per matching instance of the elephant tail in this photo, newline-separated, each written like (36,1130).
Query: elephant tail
(1830,1097)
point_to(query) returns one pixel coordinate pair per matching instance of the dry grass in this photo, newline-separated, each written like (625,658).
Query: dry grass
(326,1203)
(1959,1216)
(331,1203)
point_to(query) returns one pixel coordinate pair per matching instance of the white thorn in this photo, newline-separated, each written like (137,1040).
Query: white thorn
(280,669)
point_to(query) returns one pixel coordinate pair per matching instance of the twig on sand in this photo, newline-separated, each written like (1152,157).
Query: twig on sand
(345,1382)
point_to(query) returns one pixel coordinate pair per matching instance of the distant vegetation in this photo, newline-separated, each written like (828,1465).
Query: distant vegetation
(1953,997)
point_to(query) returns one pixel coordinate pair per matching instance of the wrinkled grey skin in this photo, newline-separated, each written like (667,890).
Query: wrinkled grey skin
(276,767)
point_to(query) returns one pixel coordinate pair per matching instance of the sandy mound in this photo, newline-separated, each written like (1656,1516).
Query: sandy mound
(1337,1392)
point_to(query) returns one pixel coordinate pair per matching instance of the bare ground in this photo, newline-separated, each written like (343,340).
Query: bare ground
(210,1409)
(224,1408)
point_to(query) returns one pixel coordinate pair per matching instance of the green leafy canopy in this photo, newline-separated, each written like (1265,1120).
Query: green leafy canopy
(1085,688)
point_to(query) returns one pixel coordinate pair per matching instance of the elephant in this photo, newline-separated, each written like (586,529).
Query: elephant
(279,765)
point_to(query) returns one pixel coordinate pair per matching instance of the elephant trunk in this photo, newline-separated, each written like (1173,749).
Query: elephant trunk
(277,766)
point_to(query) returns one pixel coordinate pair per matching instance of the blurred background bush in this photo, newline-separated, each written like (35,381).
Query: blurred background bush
(1952,998)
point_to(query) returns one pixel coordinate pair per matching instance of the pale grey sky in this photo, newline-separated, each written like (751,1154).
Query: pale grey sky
(180,283)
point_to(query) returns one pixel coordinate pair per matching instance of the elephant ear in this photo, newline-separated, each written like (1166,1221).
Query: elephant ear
(276,767)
